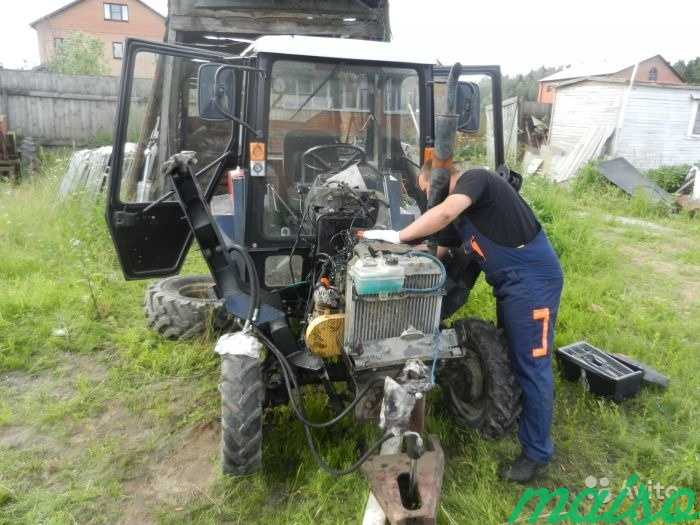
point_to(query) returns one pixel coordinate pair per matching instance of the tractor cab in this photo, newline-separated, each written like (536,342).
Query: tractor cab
(268,126)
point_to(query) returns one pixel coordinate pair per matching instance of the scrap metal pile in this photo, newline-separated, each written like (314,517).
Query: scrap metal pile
(10,160)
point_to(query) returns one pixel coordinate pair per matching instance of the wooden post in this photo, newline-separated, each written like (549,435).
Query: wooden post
(5,107)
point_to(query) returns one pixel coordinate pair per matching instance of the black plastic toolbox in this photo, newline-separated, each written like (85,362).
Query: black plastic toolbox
(601,373)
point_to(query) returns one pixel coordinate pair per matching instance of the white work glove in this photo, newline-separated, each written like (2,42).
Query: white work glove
(391,236)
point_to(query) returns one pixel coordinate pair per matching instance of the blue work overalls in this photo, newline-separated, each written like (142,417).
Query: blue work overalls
(527,283)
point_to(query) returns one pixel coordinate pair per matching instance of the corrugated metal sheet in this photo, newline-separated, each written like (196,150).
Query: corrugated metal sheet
(590,146)
(655,128)
(581,107)
(621,173)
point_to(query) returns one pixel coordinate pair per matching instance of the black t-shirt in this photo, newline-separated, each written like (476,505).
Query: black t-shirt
(497,210)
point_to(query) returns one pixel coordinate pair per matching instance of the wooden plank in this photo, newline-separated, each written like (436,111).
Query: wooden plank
(67,96)
(264,17)
(279,25)
(227,7)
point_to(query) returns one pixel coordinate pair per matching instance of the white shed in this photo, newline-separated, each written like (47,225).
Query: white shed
(658,125)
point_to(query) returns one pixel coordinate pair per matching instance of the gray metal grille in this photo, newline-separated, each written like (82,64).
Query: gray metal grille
(371,317)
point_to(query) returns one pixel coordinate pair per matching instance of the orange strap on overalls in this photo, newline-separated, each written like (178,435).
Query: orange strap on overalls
(474,245)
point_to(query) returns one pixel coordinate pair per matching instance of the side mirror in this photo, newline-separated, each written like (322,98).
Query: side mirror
(216,96)
(469,107)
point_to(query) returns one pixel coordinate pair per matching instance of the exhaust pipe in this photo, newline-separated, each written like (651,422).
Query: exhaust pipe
(445,133)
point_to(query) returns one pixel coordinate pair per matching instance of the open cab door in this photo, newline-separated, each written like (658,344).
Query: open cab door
(158,115)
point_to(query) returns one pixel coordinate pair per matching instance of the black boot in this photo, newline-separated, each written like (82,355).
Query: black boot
(522,470)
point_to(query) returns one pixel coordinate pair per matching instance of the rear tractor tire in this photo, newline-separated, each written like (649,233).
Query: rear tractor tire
(242,396)
(184,307)
(480,388)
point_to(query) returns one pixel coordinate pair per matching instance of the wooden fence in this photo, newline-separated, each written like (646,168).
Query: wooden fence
(59,110)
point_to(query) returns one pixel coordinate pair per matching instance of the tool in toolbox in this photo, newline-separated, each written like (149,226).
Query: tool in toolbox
(611,375)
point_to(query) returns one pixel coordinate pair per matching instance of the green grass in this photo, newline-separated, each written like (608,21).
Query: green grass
(669,178)
(92,421)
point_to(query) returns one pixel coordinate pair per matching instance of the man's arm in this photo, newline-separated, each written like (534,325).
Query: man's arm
(436,218)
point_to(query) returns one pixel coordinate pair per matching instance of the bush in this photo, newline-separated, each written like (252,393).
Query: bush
(669,178)
(79,54)
(473,151)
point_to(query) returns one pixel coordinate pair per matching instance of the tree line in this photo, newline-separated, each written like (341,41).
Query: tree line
(81,54)
(689,70)
(526,85)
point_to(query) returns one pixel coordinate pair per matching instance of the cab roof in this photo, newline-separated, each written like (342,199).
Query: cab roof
(341,48)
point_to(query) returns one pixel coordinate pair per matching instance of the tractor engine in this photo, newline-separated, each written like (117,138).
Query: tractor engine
(375,304)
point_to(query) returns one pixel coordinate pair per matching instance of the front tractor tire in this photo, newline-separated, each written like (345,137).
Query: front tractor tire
(242,396)
(183,307)
(480,388)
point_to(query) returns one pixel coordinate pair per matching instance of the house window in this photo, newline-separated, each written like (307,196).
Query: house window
(653,74)
(549,88)
(118,50)
(117,12)
(57,42)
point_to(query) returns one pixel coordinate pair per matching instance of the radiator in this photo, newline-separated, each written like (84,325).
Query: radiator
(372,317)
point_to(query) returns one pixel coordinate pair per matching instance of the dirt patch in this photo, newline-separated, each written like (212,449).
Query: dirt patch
(647,225)
(185,467)
(690,292)
(15,436)
(650,258)
(187,472)
(191,469)
(59,382)
(115,420)
(54,385)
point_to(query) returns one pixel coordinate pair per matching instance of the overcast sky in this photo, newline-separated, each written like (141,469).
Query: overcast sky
(517,35)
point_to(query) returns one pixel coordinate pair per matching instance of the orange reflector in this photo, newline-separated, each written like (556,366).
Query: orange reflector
(257,151)
(427,154)
(542,314)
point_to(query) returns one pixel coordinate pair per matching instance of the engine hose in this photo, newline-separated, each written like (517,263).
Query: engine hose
(443,274)
(287,372)
(352,468)
(286,367)
(254,282)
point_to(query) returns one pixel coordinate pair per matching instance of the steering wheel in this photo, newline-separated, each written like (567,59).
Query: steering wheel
(314,160)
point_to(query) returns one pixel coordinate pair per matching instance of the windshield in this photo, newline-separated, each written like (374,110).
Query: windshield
(362,118)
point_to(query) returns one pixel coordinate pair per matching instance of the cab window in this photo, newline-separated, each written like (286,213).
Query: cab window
(348,109)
